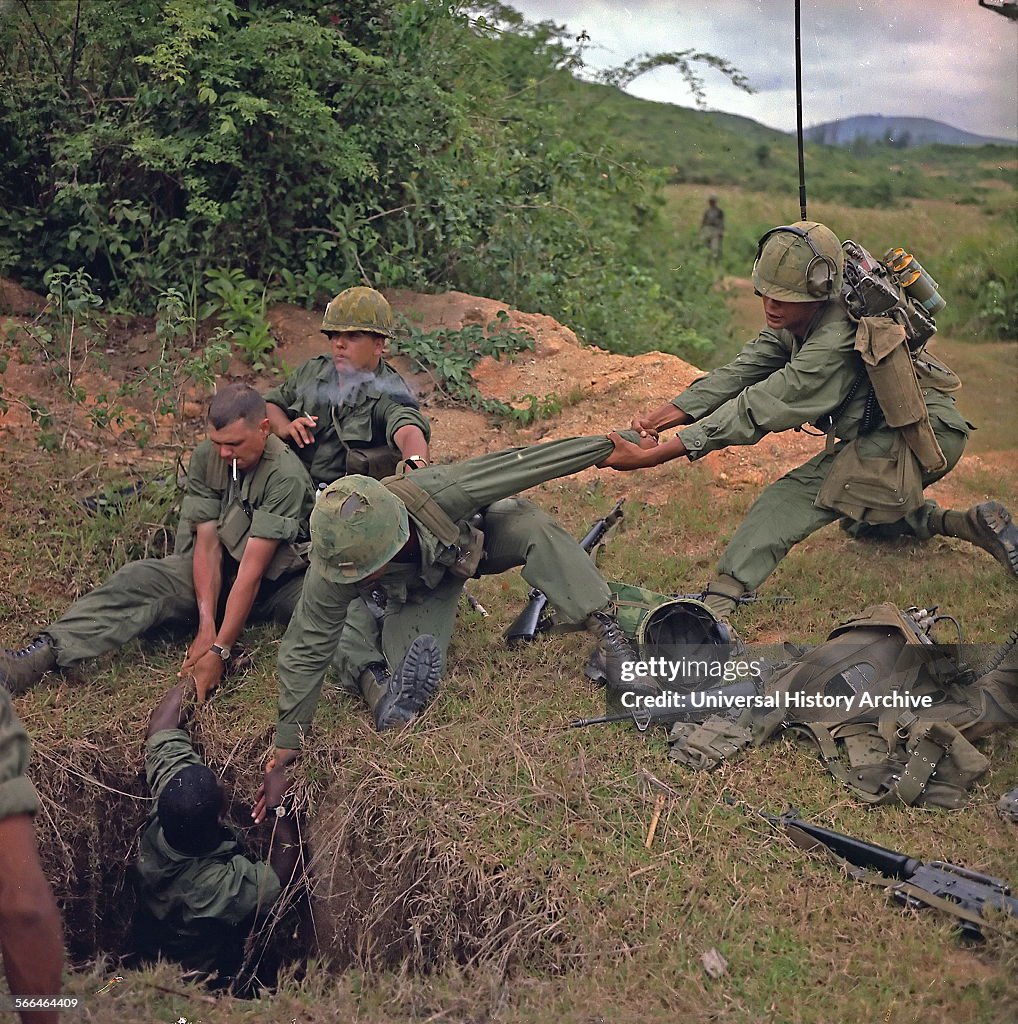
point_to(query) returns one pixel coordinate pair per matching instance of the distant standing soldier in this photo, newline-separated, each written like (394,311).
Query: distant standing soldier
(712,227)
(349,411)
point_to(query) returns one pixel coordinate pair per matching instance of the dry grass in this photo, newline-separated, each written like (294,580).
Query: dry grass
(489,865)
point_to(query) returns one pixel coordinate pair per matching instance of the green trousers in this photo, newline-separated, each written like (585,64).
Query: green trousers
(149,593)
(786,513)
(516,533)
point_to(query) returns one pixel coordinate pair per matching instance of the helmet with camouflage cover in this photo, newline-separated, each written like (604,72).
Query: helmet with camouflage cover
(800,262)
(357,526)
(359,309)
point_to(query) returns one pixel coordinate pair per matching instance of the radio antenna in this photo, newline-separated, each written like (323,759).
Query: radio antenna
(798,114)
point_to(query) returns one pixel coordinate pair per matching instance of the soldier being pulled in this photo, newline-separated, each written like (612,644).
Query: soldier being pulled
(246,503)
(389,562)
(805,367)
(350,411)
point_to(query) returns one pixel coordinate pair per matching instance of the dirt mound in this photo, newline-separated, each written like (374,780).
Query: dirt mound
(575,389)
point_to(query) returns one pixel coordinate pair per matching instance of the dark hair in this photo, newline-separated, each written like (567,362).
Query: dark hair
(236,402)
(188,810)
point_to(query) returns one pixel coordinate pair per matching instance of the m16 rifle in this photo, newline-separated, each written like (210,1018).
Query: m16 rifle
(534,618)
(913,883)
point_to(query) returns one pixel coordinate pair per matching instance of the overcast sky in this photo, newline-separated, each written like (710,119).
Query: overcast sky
(949,60)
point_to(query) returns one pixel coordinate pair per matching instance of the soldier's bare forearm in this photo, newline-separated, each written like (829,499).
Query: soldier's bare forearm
(410,440)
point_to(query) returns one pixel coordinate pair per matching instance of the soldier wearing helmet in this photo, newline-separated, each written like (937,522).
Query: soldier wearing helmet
(349,411)
(407,554)
(804,368)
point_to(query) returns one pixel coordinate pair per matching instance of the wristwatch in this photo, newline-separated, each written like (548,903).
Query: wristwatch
(280,810)
(223,652)
(417,461)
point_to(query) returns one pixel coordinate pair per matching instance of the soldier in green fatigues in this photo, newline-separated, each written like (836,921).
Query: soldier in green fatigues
(199,894)
(350,412)
(30,932)
(246,508)
(712,227)
(407,551)
(804,368)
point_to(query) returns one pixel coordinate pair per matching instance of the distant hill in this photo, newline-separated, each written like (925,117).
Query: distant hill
(901,132)
(719,150)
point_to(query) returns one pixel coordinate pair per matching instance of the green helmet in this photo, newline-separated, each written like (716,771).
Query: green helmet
(801,262)
(357,525)
(359,309)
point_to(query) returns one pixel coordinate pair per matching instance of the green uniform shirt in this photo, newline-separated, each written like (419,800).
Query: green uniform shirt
(365,413)
(199,899)
(17,794)
(775,383)
(272,501)
(461,490)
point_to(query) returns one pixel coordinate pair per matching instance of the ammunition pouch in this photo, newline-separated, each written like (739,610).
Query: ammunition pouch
(378,462)
(703,746)
(890,364)
(471,551)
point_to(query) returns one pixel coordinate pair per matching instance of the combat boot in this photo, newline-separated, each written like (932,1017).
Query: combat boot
(21,670)
(989,526)
(617,651)
(398,697)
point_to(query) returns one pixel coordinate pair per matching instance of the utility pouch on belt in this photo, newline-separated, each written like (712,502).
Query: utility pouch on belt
(873,488)
(377,463)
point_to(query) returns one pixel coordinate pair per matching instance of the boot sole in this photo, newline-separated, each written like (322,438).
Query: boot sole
(414,684)
(1002,534)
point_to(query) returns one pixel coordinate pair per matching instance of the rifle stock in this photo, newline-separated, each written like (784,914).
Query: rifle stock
(533,619)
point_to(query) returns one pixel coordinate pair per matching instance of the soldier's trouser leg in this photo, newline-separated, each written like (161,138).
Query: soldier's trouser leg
(783,515)
(517,532)
(359,645)
(135,598)
(435,616)
(785,512)
(276,601)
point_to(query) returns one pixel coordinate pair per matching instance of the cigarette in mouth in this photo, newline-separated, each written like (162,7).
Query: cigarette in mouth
(234,470)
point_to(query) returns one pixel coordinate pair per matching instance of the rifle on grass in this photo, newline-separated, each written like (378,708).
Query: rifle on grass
(913,883)
(533,619)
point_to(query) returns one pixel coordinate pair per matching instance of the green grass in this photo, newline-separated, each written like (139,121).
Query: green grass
(531,894)
(489,863)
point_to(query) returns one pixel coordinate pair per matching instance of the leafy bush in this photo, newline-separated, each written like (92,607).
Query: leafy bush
(307,146)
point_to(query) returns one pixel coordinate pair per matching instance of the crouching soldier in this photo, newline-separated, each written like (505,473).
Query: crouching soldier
(389,562)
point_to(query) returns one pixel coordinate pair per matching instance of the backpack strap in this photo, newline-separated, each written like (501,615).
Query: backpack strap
(423,507)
